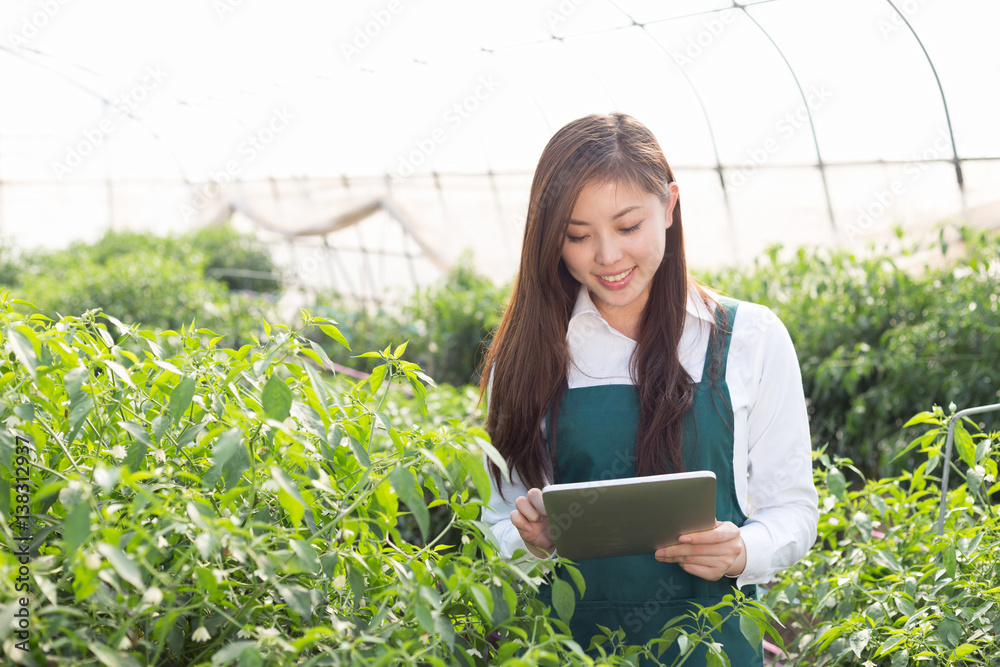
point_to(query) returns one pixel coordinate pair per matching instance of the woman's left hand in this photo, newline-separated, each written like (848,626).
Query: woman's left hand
(711,554)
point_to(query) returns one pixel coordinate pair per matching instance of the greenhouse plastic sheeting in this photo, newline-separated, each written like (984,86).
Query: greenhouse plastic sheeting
(786,121)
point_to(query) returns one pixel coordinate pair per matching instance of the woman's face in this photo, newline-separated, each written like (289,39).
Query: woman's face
(614,244)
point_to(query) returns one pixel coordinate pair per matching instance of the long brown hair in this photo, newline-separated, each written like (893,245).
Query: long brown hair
(528,357)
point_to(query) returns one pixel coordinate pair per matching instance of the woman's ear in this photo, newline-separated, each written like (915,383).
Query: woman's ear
(673,195)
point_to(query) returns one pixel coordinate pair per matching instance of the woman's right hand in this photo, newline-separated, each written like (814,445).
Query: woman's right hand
(533,524)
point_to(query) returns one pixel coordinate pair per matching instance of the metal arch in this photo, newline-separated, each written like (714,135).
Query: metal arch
(812,126)
(734,246)
(944,101)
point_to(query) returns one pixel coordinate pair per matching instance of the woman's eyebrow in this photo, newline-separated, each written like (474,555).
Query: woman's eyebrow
(617,215)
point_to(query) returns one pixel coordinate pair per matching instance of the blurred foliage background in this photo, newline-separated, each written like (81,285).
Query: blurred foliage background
(879,336)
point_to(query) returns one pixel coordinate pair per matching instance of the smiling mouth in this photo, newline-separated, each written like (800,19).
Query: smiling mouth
(617,277)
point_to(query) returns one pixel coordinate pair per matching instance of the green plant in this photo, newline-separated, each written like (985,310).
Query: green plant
(211,506)
(881,587)
(162,282)
(448,326)
(876,342)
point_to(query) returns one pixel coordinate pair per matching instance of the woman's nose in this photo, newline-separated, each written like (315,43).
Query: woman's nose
(609,252)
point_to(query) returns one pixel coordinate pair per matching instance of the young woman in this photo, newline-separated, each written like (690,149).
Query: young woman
(611,361)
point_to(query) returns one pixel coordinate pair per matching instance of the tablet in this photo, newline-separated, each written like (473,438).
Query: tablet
(628,516)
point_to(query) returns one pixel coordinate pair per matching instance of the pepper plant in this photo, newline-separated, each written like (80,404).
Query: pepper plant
(190,504)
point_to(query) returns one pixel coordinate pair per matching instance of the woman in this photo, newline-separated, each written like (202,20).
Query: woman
(611,361)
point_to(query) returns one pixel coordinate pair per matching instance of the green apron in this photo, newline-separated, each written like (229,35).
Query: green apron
(596,434)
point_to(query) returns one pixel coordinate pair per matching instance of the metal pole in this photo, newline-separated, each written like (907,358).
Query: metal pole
(947,455)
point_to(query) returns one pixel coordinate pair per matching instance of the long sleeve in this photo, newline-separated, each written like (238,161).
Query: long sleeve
(496,515)
(782,499)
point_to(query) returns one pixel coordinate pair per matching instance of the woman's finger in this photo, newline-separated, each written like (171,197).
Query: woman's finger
(535,496)
(527,508)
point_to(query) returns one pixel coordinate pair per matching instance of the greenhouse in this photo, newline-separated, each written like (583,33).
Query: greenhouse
(289,332)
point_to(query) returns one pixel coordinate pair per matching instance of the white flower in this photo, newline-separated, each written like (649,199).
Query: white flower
(201,634)
(266,633)
(161,542)
(118,452)
(153,596)
(160,455)
(465,539)
(93,561)
(339,581)
(245,633)
(125,643)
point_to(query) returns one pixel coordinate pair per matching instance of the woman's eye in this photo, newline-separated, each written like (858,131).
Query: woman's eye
(575,239)
(633,228)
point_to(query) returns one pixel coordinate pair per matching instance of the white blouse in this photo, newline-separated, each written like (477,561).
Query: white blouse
(771,427)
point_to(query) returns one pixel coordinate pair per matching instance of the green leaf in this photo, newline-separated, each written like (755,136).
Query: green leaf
(229,460)
(483,599)
(901,659)
(298,600)
(950,631)
(23,349)
(889,643)
(76,527)
(494,455)
(922,418)
(288,495)
(120,371)
(378,374)
(950,561)
(321,353)
(232,652)
(424,617)
(751,630)
(963,443)
(123,564)
(180,398)
(277,399)
(477,473)
(110,658)
(406,487)
(137,450)
(982,449)
(859,641)
(563,599)
(444,628)
(963,650)
(581,584)
(334,333)
(836,483)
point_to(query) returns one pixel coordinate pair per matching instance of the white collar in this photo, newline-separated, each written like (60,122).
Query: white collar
(695,306)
